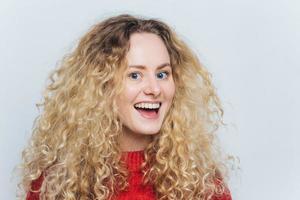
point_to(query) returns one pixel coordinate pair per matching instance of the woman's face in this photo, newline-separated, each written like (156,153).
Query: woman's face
(149,86)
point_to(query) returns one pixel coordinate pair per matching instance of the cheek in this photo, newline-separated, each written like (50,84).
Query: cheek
(128,96)
(170,90)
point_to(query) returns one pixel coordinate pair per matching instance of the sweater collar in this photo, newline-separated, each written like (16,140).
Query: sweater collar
(133,159)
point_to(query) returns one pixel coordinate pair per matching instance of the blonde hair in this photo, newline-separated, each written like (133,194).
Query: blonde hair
(74,141)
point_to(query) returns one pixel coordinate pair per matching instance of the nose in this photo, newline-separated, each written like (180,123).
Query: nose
(152,87)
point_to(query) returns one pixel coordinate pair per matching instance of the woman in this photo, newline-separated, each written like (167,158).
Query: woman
(130,114)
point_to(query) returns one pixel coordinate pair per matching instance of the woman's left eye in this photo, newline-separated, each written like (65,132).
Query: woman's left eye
(162,75)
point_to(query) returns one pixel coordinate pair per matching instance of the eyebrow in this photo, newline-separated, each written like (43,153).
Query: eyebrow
(143,66)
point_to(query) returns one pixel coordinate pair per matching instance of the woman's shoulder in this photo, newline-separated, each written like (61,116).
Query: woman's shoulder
(34,193)
(225,194)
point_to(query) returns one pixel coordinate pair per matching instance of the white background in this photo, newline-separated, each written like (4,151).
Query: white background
(250,46)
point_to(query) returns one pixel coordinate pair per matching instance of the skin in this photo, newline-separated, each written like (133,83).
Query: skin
(148,79)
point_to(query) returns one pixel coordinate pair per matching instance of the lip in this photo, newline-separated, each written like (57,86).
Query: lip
(145,116)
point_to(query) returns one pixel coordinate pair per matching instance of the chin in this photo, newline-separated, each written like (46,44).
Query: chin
(150,131)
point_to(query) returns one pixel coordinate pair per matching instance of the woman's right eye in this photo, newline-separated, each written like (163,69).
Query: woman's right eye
(134,75)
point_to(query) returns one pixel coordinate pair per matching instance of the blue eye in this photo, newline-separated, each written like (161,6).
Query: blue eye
(162,75)
(134,75)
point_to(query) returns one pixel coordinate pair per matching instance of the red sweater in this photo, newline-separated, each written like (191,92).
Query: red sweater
(135,191)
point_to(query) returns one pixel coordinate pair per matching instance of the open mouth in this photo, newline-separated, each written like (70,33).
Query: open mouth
(148,110)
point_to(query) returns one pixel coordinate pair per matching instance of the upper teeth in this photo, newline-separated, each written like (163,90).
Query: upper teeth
(147,105)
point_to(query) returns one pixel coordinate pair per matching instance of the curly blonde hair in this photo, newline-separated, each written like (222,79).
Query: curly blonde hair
(74,142)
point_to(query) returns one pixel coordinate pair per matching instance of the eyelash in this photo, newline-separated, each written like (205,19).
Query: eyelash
(165,72)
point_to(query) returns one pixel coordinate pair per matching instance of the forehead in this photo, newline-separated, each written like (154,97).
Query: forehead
(147,49)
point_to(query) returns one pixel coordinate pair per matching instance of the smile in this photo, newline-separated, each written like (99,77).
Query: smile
(148,110)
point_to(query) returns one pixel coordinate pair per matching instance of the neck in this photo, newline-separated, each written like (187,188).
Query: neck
(130,141)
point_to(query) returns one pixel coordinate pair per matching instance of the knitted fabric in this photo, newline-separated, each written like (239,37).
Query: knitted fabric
(135,191)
